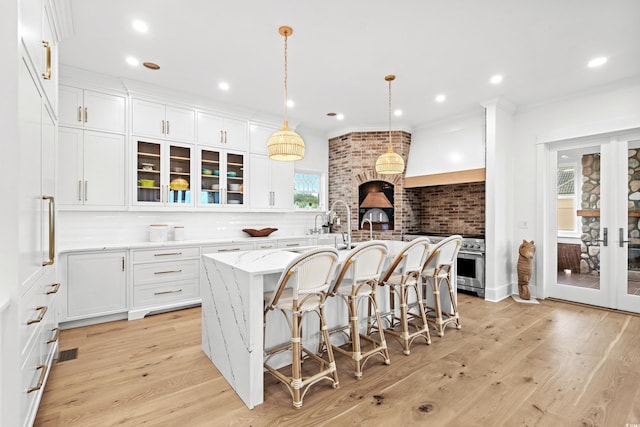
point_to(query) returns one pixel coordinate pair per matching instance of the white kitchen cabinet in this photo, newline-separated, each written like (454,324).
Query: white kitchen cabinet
(91,110)
(164,174)
(91,169)
(96,284)
(258,137)
(39,37)
(222,178)
(164,278)
(271,183)
(218,131)
(162,121)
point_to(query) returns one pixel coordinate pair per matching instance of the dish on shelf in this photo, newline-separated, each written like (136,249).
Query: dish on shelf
(215,187)
(179,184)
(232,174)
(146,182)
(263,232)
(234,186)
(206,171)
(147,166)
(234,202)
(216,173)
(177,169)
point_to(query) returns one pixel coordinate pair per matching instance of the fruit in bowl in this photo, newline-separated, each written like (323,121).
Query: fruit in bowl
(179,184)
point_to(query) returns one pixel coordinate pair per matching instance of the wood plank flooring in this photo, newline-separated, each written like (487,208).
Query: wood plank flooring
(552,364)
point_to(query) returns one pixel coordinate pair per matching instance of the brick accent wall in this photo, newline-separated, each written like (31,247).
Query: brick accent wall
(352,159)
(454,209)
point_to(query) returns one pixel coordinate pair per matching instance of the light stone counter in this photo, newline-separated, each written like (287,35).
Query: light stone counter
(232,285)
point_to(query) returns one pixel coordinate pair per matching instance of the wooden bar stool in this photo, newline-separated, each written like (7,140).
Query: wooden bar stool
(403,276)
(357,282)
(438,269)
(309,277)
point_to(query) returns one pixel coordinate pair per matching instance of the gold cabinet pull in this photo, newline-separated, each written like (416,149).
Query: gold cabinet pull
(168,128)
(85,190)
(79,113)
(168,271)
(168,253)
(79,191)
(47,73)
(54,290)
(228,250)
(52,230)
(42,309)
(86,114)
(221,137)
(55,335)
(168,292)
(292,244)
(163,126)
(43,375)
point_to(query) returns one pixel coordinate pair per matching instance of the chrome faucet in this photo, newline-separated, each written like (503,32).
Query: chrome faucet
(315,229)
(370,226)
(332,214)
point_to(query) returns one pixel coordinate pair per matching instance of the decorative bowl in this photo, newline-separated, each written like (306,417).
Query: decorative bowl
(234,186)
(146,182)
(216,173)
(206,171)
(215,187)
(232,174)
(147,166)
(179,184)
(264,232)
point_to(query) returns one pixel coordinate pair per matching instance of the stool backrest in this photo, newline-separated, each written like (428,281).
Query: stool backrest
(444,253)
(411,259)
(365,262)
(310,273)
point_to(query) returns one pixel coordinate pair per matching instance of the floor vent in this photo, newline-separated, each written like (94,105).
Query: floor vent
(65,355)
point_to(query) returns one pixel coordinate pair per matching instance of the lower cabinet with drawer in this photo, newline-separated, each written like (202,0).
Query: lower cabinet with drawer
(164,279)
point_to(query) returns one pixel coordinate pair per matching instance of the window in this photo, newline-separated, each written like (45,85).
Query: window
(567,200)
(306,190)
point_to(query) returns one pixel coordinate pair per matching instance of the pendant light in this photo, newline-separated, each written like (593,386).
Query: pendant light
(389,163)
(285,145)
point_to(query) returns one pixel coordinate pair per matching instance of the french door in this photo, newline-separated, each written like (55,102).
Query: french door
(595,216)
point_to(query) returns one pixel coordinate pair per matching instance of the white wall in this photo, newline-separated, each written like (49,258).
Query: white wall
(448,146)
(608,109)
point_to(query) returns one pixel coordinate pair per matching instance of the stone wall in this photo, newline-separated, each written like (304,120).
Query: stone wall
(352,159)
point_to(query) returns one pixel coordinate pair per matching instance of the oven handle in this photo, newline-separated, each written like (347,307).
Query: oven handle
(470,253)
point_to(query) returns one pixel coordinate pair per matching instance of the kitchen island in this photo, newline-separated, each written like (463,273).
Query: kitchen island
(232,288)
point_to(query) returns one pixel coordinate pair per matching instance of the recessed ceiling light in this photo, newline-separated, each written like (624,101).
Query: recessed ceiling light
(140,26)
(132,61)
(397,113)
(496,79)
(440,98)
(596,62)
(564,156)
(340,116)
(290,103)
(223,86)
(151,65)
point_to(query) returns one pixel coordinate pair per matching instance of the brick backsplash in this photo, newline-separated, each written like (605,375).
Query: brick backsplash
(457,208)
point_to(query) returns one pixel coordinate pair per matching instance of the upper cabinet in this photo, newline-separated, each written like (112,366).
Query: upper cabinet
(91,110)
(258,138)
(38,34)
(217,131)
(162,121)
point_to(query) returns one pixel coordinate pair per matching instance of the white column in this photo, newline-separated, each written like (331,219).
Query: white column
(499,259)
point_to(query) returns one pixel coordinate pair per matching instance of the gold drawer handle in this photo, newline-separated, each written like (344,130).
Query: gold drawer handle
(55,336)
(43,310)
(54,290)
(47,74)
(292,244)
(168,292)
(43,374)
(228,250)
(168,271)
(168,254)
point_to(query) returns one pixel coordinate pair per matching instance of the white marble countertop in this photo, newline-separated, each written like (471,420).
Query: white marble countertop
(88,245)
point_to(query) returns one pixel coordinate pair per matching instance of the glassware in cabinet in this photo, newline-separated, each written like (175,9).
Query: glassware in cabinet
(179,175)
(210,178)
(148,172)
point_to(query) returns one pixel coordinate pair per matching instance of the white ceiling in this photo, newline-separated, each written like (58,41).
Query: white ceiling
(341,50)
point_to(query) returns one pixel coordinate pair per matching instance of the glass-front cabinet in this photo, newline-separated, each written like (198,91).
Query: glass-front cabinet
(221,178)
(163,174)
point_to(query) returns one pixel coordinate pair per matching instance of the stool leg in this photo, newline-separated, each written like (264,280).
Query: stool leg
(373,300)
(327,340)
(404,320)
(296,360)
(423,315)
(454,303)
(437,303)
(356,353)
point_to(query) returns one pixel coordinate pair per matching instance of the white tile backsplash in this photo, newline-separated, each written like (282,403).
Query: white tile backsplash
(73,228)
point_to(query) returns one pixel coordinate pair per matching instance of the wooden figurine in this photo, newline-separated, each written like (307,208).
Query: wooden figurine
(526,251)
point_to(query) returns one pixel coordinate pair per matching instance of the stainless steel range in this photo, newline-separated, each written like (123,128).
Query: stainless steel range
(470,263)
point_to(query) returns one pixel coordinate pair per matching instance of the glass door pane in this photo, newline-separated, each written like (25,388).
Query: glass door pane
(148,172)
(632,235)
(235,179)
(179,175)
(210,178)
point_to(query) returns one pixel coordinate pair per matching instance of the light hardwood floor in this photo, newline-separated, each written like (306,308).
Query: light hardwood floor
(552,364)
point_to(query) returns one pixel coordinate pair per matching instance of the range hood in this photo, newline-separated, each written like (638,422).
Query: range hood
(449,152)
